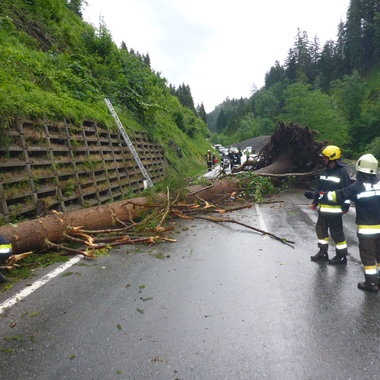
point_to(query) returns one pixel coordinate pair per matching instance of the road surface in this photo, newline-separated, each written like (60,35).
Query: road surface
(221,303)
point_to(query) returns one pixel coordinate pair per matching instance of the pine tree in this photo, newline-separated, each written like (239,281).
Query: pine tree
(291,66)
(315,50)
(353,37)
(172,90)
(189,99)
(275,74)
(376,32)
(305,54)
(146,59)
(201,112)
(370,22)
(221,121)
(183,93)
(76,6)
(327,65)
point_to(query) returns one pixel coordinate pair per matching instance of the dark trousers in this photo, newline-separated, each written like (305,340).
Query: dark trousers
(332,223)
(369,248)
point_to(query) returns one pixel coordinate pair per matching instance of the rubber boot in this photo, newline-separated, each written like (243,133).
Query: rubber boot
(322,254)
(3,278)
(339,258)
(371,284)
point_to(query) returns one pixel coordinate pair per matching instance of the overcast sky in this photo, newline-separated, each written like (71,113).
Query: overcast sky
(220,48)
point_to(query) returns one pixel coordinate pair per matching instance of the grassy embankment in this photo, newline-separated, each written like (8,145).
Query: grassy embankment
(54,66)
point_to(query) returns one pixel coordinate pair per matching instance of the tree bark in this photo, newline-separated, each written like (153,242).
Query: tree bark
(282,164)
(31,235)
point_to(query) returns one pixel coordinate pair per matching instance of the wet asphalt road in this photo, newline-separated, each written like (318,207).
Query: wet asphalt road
(224,303)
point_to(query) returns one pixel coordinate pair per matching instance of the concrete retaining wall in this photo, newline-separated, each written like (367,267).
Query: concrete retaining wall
(61,166)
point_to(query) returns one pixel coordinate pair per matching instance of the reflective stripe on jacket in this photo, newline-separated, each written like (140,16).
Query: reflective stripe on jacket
(5,248)
(330,180)
(366,196)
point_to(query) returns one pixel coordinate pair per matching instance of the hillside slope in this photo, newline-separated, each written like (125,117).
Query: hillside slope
(55,66)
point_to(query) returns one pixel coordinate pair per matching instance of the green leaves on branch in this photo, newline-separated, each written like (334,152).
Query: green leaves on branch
(256,187)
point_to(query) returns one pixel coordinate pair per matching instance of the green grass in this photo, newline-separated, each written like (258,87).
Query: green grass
(83,66)
(63,70)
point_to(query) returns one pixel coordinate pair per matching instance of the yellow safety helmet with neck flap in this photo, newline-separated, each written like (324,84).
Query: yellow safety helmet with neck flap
(332,152)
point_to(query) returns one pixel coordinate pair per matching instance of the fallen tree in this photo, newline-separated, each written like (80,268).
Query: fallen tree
(291,150)
(88,232)
(33,235)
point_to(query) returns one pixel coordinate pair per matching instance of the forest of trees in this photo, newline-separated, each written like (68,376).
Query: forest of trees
(54,65)
(183,93)
(334,89)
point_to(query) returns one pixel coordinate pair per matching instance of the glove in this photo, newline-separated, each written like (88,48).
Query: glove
(314,206)
(309,194)
(323,196)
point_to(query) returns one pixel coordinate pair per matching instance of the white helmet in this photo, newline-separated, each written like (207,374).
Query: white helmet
(367,164)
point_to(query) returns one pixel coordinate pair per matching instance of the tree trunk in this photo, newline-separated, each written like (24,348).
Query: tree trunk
(282,164)
(31,235)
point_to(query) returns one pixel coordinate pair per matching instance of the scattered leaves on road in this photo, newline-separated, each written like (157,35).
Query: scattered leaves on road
(160,255)
(67,274)
(17,338)
(157,359)
(6,350)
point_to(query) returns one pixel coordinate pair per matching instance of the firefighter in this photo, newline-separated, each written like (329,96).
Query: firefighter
(365,192)
(334,176)
(209,160)
(5,252)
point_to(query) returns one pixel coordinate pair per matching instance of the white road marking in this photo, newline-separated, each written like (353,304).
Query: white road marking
(37,284)
(261,219)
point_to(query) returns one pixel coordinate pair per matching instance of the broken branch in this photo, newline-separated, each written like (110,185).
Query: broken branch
(68,249)
(200,190)
(220,220)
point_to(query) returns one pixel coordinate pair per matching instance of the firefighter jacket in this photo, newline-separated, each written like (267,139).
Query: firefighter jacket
(5,249)
(330,180)
(366,195)
(208,157)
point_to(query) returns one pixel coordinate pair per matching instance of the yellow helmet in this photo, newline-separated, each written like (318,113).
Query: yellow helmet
(367,164)
(332,152)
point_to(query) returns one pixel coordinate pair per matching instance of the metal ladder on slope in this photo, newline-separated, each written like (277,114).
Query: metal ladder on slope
(148,182)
